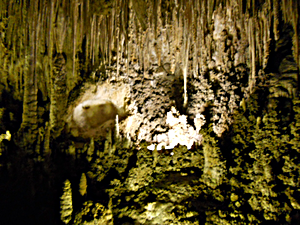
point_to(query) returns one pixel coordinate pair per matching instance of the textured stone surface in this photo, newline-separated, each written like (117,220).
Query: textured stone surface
(206,94)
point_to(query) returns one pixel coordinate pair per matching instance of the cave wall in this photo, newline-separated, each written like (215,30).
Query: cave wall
(48,48)
(199,62)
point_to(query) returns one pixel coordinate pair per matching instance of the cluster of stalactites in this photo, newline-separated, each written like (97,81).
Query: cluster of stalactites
(109,29)
(142,32)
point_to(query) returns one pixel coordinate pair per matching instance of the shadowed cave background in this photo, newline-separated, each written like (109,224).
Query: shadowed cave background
(226,71)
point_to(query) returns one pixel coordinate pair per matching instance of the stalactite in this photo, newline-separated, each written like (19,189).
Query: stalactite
(39,141)
(41,60)
(144,54)
(111,36)
(185,56)
(200,35)
(92,39)
(210,8)
(118,47)
(87,33)
(95,60)
(3,9)
(290,13)
(99,48)
(39,28)
(60,31)
(159,43)
(95,44)
(50,49)
(252,49)
(195,43)
(138,39)
(122,49)
(28,130)
(140,44)
(58,96)
(159,24)
(100,39)
(276,19)
(91,36)
(148,36)
(266,45)
(81,20)
(3,48)
(296,51)
(47,149)
(258,40)
(105,40)
(130,35)
(173,37)
(75,18)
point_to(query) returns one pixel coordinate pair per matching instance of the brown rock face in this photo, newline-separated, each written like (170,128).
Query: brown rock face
(93,113)
(92,118)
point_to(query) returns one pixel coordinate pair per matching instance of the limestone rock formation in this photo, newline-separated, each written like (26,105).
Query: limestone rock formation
(91,87)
